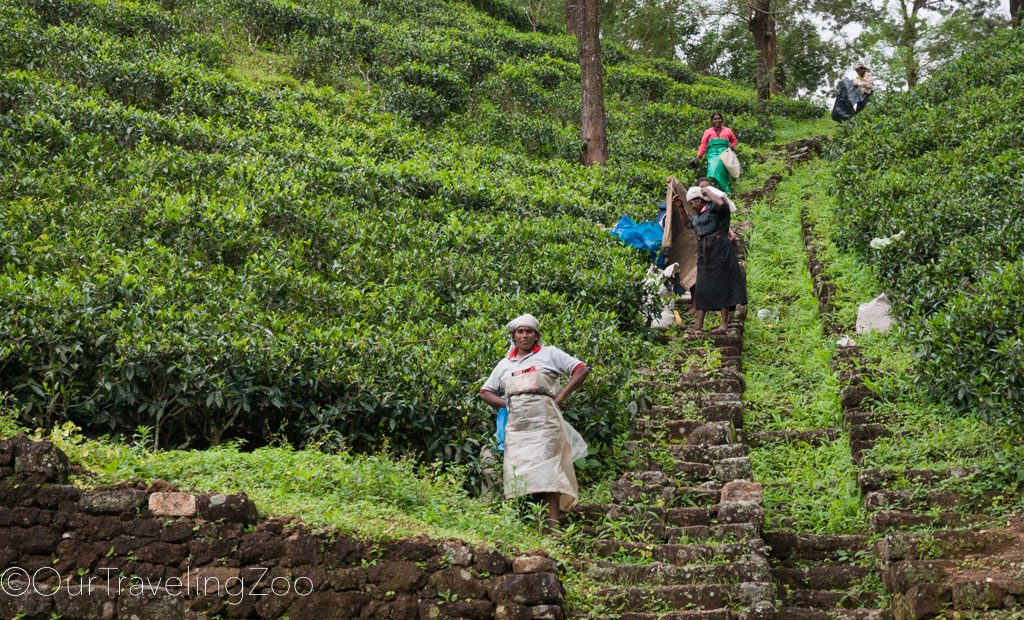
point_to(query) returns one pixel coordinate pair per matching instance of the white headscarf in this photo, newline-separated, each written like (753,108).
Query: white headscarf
(694,192)
(524,320)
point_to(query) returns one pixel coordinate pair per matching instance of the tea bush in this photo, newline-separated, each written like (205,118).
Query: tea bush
(943,163)
(326,255)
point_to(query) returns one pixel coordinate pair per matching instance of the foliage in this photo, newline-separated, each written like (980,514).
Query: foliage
(323,250)
(910,39)
(948,169)
(926,433)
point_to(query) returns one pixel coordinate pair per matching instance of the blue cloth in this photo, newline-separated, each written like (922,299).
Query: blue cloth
(499,433)
(643,236)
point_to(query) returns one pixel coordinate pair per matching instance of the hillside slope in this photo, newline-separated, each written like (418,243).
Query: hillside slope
(944,164)
(309,221)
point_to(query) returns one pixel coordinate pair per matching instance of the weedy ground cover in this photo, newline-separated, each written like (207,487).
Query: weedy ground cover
(787,365)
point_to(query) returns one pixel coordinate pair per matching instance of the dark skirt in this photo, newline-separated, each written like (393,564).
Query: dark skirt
(720,281)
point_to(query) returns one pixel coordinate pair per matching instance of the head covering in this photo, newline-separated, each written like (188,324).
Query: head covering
(694,192)
(859,65)
(524,320)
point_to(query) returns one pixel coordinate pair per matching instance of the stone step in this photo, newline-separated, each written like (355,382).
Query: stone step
(829,577)
(664,429)
(691,474)
(660,573)
(790,547)
(943,544)
(813,437)
(856,417)
(910,500)
(676,554)
(664,598)
(877,479)
(869,432)
(659,489)
(803,613)
(885,520)
(732,337)
(703,614)
(828,599)
(687,354)
(657,533)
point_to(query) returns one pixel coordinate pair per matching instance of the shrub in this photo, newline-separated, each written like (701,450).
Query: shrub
(942,171)
(636,83)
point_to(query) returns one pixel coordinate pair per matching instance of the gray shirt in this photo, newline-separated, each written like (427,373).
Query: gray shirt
(551,360)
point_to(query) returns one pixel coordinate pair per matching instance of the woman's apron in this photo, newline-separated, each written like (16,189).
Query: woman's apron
(716,169)
(540,445)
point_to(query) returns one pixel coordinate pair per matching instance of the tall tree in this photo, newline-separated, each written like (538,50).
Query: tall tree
(592,118)
(572,17)
(657,28)
(911,38)
(760,18)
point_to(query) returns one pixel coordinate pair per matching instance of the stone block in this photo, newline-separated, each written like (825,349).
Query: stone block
(492,562)
(923,601)
(234,508)
(161,605)
(530,589)
(733,469)
(329,605)
(742,491)
(457,553)
(40,458)
(397,576)
(533,564)
(978,595)
(741,512)
(515,611)
(458,581)
(172,504)
(113,501)
(468,610)
(712,433)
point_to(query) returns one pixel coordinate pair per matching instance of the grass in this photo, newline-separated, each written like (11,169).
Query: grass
(790,383)
(373,496)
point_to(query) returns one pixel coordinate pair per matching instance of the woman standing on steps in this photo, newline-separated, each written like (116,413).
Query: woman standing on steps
(540,446)
(721,284)
(716,139)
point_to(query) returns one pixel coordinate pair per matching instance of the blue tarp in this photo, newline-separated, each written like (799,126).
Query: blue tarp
(643,236)
(499,428)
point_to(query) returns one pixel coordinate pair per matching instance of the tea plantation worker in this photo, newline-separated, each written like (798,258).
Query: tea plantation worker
(721,284)
(865,83)
(716,139)
(540,446)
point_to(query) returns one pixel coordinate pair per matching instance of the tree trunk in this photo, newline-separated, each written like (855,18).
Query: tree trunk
(910,40)
(1015,15)
(762,27)
(572,9)
(592,121)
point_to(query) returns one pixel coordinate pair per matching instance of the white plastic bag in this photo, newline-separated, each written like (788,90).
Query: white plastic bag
(731,163)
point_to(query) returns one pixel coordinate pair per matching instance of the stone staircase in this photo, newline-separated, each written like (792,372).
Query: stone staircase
(824,576)
(681,538)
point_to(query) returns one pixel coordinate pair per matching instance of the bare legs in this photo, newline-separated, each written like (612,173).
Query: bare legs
(698,326)
(552,500)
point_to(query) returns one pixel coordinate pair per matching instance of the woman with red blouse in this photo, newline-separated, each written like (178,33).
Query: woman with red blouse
(716,139)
